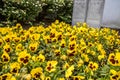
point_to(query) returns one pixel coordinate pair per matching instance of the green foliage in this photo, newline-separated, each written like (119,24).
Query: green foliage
(58,9)
(21,10)
(27,11)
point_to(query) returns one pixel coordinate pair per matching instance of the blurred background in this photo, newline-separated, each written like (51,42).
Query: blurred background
(111,14)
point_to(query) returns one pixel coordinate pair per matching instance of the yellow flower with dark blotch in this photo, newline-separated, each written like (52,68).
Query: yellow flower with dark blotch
(69,71)
(7,48)
(59,35)
(114,59)
(22,31)
(19,47)
(37,73)
(27,35)
(1,43)
(90,44)
(66,66)
(7,38)
(18,26)
(82,30)
(115,76)
(6,76)
(93,66)
(17,39)
(53,33)
(82,49)
(31,30)
(57,52)
(111,58)
(51,66)
(72,45)
(47,78)
(35,37)
(24,57)
(78,77)
(69,29)
(5,57)
(54,39)
(71,53)
(13,35)
(47,39)
(62,43)
(33,46)
(14,67)
(110,38)
(40,58)
(72,38)
(23,38)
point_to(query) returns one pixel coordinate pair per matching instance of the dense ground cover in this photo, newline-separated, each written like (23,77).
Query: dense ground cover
(59,52)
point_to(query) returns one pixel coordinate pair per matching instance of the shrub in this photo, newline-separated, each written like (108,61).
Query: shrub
(57,9)
(21,10)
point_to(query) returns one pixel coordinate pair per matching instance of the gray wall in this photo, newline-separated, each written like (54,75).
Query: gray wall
(111,15)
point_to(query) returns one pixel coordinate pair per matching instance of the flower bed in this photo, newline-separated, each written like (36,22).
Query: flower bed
(59,52)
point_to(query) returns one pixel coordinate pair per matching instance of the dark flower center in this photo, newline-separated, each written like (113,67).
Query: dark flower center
(6,59)
(14,70)
(48,40)
(60,37)
(49,68)
(115,77)
(52,35)
(0,43)
(17,40)
(37,75)
(112,60)
(63,45)
(4,77)
(25,61)
(7,50)
(32,48)
(76,78)
(7,40)
(21,59)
